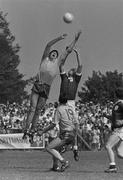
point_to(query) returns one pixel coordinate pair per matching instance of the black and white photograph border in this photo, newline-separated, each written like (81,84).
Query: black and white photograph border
(61,89)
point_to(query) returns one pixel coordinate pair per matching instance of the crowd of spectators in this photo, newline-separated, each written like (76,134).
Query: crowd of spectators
(93,126)
(12,117)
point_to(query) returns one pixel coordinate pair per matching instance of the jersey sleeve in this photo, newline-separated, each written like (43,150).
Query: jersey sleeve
(78,77)
(63,75)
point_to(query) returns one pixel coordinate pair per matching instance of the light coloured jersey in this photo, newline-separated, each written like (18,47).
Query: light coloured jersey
(48,71)
(65,117)
(72,104)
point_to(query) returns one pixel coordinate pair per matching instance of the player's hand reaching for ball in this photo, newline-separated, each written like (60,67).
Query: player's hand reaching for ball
(75,50)
(78,34)
(63,36)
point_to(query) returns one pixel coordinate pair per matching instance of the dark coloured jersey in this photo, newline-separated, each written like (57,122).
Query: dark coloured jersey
(69,86)
(117,115)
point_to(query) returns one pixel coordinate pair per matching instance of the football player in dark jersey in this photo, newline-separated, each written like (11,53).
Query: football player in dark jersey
(69,86)
(116,137)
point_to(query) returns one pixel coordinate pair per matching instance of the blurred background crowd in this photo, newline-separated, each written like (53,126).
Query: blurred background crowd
(93,126)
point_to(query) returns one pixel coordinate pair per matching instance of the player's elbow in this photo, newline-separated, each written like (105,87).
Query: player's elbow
(68,49)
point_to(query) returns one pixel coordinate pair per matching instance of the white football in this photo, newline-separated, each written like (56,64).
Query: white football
(68,17)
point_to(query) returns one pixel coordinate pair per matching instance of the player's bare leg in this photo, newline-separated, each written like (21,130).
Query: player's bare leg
(55,166)
(40,105)
(57,144)
(31,113)
(113,140)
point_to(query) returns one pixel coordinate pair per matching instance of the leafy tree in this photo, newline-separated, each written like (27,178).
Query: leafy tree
(100,88)
(11,81)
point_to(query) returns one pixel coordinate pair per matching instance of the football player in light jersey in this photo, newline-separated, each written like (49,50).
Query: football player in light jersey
(48,70)
(68,126)
(116,137)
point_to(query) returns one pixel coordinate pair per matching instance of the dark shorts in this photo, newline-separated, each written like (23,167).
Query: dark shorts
(41,89)
(68,137)
(64,139)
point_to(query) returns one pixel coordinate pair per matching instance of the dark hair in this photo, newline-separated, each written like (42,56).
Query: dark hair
(119,92)
(63,99)
(53,51)
(55,104)
(74,70)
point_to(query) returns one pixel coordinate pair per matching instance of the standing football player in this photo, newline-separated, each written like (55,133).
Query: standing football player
(116,137)
(68,126)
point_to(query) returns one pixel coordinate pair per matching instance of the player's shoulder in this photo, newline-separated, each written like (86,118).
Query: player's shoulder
(45,60)
(59,108)
(69,106)
(63,74)
(62,107)
(119,104)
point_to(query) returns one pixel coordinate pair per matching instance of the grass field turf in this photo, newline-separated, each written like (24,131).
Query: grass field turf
(35,165)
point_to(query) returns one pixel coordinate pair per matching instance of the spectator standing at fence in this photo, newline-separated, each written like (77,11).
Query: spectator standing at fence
(95,138)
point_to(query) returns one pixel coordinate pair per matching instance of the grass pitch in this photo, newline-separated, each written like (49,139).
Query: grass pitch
(35,165)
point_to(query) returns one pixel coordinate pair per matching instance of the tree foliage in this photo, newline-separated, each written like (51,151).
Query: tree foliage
(11,81)
(100,88)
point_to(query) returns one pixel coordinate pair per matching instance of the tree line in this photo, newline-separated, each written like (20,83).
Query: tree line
(100,88)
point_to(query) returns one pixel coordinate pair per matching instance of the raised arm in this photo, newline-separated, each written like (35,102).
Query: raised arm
(68,50)
(50,44)
(79,62)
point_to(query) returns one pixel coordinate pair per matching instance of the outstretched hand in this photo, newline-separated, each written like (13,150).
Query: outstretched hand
(63,36)
(78,34)
(75,50)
